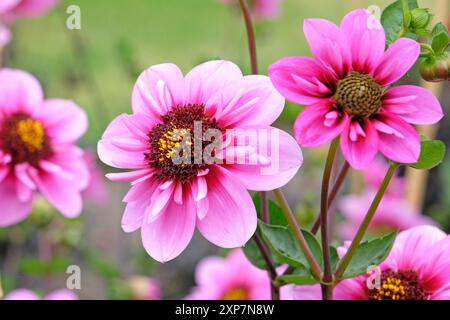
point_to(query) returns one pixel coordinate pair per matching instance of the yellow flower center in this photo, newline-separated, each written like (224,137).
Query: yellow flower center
(400,285)
(171,142)
(31,132)
(236,294)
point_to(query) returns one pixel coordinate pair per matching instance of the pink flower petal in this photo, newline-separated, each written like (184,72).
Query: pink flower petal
(396,61)
(312,128)
(328,44)
(206,79)
(301,80)
(64,121)
(158,89)
(359,144)
(21,294)
(366,38)
(61,294)
(413,104)
(5,35)
(12,209)
(166,237)
(402,144)
(231,219)
(284,158)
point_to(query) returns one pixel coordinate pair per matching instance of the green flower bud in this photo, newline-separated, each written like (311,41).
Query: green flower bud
(436,69)
(420,18)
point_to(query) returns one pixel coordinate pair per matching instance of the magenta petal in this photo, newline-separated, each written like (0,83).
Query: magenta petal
(12,209)
(311,129)
(396,61)
(398,140)
(300,80)
(283,159)
(158,89)
(413,104)
(22,294)
(206,79)
(366,38)
(231,220)
(64,121)
(61,294)
(19,92)
(328,44)
(361,149)
(166,237)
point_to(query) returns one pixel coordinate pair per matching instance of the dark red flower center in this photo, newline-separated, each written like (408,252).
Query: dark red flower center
(400,285)
(24,139)
(358,94)
(177,144)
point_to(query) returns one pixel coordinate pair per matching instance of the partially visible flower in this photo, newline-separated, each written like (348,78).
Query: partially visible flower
(182,177)
(96,190)
(416,269)
(230,278)
(144,288)
(26,294)
(346,90)
(261,9)
(37,149)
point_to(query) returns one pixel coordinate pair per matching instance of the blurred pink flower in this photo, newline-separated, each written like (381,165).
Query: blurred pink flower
(96,190)
(144,288)
(26,294)
(37,149)
(167,200)
(230,278)
(261,9)
(416,269)
(394,212)
(343,87)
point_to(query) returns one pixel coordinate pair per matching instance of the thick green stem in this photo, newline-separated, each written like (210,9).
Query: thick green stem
(366,222)
(315,268)
(327,287)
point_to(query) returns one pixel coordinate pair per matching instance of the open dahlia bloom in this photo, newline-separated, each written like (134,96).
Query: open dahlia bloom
(37,149)
(26,294)
(346,90)
(230,278)
(416,269)
(393,213)
(168,198)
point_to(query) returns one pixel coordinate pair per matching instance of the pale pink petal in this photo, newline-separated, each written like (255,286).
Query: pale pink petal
(209,268)
(21,294)
(6,5)
(64,121)
(314,126)
(206,79)
(5,35)
(282,159)
(166,237)
(12,209)
(33,8)
(129,176)
(19,92)
(366,38)
(158,89)
(396,61)
(231,219)
(61,294)
(329,45)
(359,143)
(252,100)
(413,104)
(301,80)
(398,140)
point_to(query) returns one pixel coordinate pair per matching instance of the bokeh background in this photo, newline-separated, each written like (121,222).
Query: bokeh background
(97,67)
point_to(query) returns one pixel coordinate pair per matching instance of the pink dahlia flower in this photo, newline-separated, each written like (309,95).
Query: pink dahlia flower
(416,269)
(230,278)
(26,294)
(346,90)
(144,288)
(174,188)
(37,149)
(96,191)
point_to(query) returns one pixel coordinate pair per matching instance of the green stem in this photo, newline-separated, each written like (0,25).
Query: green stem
(315,268)
(327,288)
(250,35)
(366,222)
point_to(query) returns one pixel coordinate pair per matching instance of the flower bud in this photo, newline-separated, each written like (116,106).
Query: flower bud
(436,69)
(420,18)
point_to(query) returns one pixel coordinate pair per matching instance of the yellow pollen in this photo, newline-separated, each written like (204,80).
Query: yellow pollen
(391,288)
(169,143)
(31,132)
(236,294)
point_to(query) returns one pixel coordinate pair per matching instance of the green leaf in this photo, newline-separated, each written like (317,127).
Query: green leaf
(300,276)
(440,42)
(369,253)
(37,267)
(253,254)
(432,153)
(283,242)
(438,28)
(276,215)
(334,258)
(392,19)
